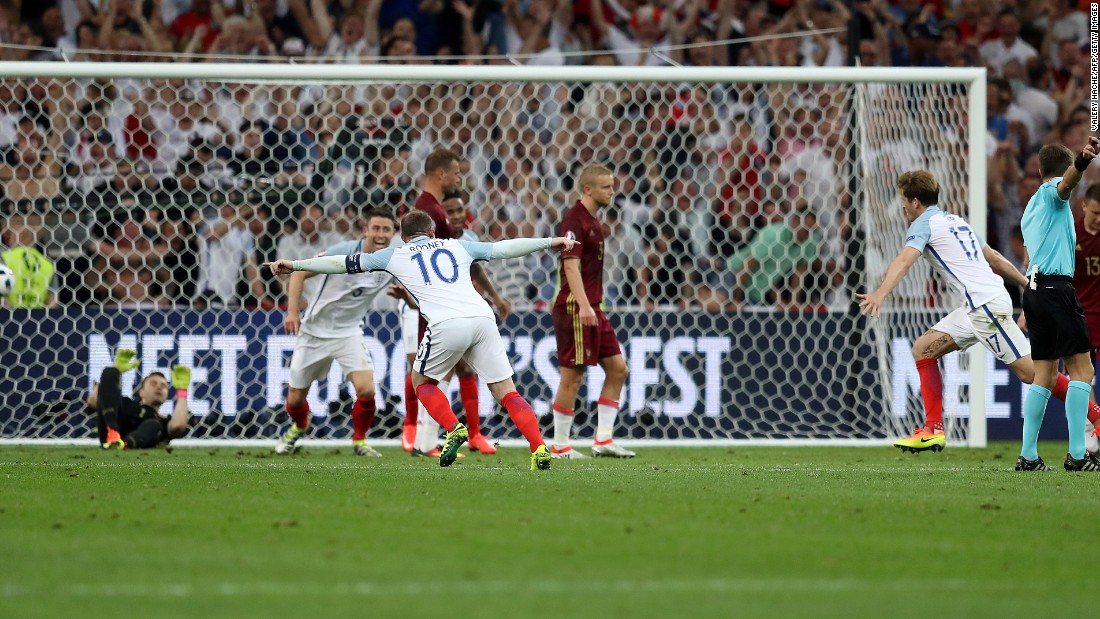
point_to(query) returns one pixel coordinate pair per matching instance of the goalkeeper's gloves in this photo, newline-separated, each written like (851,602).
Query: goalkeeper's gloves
(126,360)
(181,377)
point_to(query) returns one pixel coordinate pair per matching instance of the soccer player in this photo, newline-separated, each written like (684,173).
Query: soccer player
(134,423)
(1053,312)
(954,249)
(442,177)
(454,205)
(1086,283)
(584,334)
(332,330)
(461,325)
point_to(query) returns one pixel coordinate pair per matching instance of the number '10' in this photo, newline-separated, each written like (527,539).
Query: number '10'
(419,259)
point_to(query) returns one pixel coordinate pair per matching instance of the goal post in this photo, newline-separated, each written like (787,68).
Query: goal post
(728,339)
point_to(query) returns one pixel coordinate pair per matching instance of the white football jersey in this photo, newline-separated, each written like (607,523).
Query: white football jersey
(340,305)
(435,271)
(954,249)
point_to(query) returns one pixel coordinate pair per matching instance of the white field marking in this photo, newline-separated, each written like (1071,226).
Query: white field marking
(276,463)
(535,585)
(644,443)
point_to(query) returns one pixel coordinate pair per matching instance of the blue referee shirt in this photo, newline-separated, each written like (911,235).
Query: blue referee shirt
(1048,230)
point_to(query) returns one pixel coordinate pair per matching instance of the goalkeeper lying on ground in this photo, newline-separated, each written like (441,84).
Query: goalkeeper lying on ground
(133,423)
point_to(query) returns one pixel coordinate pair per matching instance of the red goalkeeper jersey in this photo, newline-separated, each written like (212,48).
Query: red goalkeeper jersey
(1086,278)
(578,223)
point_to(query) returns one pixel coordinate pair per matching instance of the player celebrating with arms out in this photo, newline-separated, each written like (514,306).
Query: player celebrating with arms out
(332,330)
(954,249)
(442,178)
(1053,311)
(454,204)
(461,325)
(583,332)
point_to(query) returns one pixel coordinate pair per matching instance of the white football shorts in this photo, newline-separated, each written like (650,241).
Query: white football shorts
(313,356)
(475,339)
(992,325)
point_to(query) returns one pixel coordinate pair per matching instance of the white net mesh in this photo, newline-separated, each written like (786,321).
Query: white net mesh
(913,127)
(745,214)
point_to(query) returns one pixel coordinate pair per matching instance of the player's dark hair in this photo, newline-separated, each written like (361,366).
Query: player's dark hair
(384,213)
(453,195)
(416,223)
(1093,193)
(1054,159)
(141,385)
(920,184)
(439,159)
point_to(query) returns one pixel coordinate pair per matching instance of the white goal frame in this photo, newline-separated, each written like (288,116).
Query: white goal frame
(974,78)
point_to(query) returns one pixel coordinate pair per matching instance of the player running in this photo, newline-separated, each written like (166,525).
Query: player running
(461,325)
(584,334)
(332,330)
(953,248)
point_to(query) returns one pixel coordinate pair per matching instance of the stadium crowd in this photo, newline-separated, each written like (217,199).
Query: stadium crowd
(169,192)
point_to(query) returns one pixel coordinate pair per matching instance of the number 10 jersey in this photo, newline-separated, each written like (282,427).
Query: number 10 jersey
(437,274)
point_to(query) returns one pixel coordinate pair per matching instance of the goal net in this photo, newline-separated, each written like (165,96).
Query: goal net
(751,204)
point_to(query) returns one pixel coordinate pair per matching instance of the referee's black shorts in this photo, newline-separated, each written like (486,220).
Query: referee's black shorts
(1055,319)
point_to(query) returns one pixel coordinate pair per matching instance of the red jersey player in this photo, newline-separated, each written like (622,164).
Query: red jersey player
(1086,281)
(441,176)
(584,334)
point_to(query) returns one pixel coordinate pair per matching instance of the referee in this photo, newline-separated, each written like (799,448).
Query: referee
(134,423)
(1051,308)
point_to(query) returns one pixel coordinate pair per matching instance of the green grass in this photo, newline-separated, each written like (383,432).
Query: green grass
(741,532)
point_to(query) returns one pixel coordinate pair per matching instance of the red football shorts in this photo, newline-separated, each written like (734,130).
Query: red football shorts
(580,345)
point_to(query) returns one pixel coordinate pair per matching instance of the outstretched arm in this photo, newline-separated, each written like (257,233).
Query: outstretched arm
(514,248)
(335,264)
(871,304)
(1003,267)
(1073,174)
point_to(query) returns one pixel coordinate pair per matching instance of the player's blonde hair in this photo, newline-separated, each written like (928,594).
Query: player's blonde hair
(590,173)
(920,184)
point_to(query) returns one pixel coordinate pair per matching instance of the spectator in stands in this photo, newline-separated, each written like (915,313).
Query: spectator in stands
(131,288)
(354,37)
(312,236)
(29,173)
(96,164)
(227,258)
(35,275)
(624,261)
(773,268)
(997,52)
(179,250)
(645,35)
(1064,22)
(281,21)
(204,17)
(252,157)
(537,35)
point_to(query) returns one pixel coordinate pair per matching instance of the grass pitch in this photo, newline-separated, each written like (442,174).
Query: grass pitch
(740,532)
